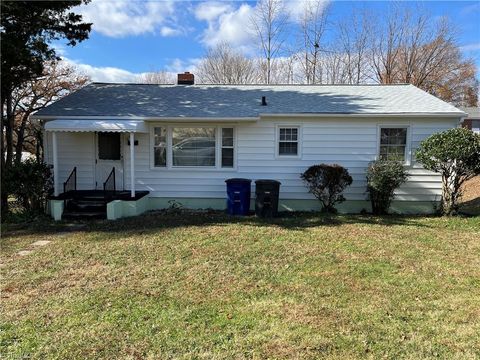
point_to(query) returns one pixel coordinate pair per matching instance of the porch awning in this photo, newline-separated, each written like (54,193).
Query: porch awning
(97,125)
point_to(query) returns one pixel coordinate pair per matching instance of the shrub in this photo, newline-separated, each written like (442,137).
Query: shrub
(326,183)
(383,177)
(30,182)
(455,154)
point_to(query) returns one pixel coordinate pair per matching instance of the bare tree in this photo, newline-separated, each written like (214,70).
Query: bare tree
(411,48)
(313,23)
(57,81)
(333,68)
(157,77)
(269,25)
(386,40)
(282,71)
(224,65)
(353,42)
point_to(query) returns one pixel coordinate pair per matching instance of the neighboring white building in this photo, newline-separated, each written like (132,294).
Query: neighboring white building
(190,138)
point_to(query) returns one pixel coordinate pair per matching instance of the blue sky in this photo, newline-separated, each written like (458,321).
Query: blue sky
(132,37)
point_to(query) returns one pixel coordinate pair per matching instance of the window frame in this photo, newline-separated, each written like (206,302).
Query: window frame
(221,147)
(218,147)
(153,146)
(170,145)
(408,140)
(277,140)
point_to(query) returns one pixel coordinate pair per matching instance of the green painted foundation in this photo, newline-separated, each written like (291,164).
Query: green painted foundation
(122,208)
(55,208)
(347,207)
(118,209)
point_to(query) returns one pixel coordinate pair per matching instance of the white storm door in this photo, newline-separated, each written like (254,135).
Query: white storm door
(109,156)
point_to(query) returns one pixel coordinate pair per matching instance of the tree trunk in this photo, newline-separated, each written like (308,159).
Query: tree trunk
(20,138)
(449,205)
(7,147)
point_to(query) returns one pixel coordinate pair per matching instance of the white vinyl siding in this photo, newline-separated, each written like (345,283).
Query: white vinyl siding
(74,149)
(350,142)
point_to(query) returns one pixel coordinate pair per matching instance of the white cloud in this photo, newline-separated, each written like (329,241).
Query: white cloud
(168,31)
(226,24)
(179,66)
(296,8)
(123,17)
(115,74)
(471,47)
(211,10)
(104,73)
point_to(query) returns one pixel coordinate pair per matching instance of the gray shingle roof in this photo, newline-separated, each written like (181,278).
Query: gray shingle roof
(217,101)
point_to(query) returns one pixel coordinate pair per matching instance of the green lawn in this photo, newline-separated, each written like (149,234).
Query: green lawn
(208,286)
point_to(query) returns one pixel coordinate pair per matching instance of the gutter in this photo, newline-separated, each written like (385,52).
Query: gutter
(368,115)
(461,115)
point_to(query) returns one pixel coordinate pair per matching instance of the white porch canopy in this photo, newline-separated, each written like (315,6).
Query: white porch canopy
(97,125)
(127,126)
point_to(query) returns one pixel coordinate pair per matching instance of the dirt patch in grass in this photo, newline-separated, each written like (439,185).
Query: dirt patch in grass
(471,197)
(205,285)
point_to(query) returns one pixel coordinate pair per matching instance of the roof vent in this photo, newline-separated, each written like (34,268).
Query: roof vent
(264,101)
(185,79)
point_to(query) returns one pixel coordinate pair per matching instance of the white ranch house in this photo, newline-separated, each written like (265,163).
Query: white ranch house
(181,142)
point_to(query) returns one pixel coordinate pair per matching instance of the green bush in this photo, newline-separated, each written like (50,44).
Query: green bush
(383,177)
(326,183)
(455,154)
(30,183)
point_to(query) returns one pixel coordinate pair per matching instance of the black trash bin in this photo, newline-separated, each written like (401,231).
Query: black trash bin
(238,196)
(266,197)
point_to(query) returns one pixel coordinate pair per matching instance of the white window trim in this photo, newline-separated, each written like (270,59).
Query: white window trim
(277,140)
(218,148)
(408,145)
(152,144)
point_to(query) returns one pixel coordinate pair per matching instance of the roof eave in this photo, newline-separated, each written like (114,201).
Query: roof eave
(369,115)
(253,119)
(157,119)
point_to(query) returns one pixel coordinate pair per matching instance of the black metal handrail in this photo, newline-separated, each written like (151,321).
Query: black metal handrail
(71,183)
(109,184)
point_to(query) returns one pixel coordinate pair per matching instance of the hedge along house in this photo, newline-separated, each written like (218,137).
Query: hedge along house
(181,142)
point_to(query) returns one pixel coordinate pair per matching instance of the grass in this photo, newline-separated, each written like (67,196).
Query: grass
(208,286)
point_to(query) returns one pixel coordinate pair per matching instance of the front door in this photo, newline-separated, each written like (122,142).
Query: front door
(109,156)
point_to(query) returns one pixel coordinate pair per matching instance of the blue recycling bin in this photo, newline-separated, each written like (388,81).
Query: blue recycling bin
(238,196)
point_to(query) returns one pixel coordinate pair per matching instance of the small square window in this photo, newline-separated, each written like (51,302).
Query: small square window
(288,141)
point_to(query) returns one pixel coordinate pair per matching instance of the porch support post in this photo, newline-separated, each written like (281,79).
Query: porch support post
(132,164)
(56,184)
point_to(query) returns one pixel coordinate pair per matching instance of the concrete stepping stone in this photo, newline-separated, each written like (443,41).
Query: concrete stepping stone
(25,252)
(41,243)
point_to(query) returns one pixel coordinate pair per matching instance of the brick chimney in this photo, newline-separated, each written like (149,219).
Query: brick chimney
(185,79)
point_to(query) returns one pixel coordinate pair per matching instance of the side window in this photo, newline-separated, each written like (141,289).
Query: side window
(227,148)
(288,141)
(393,143)
(160,146)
